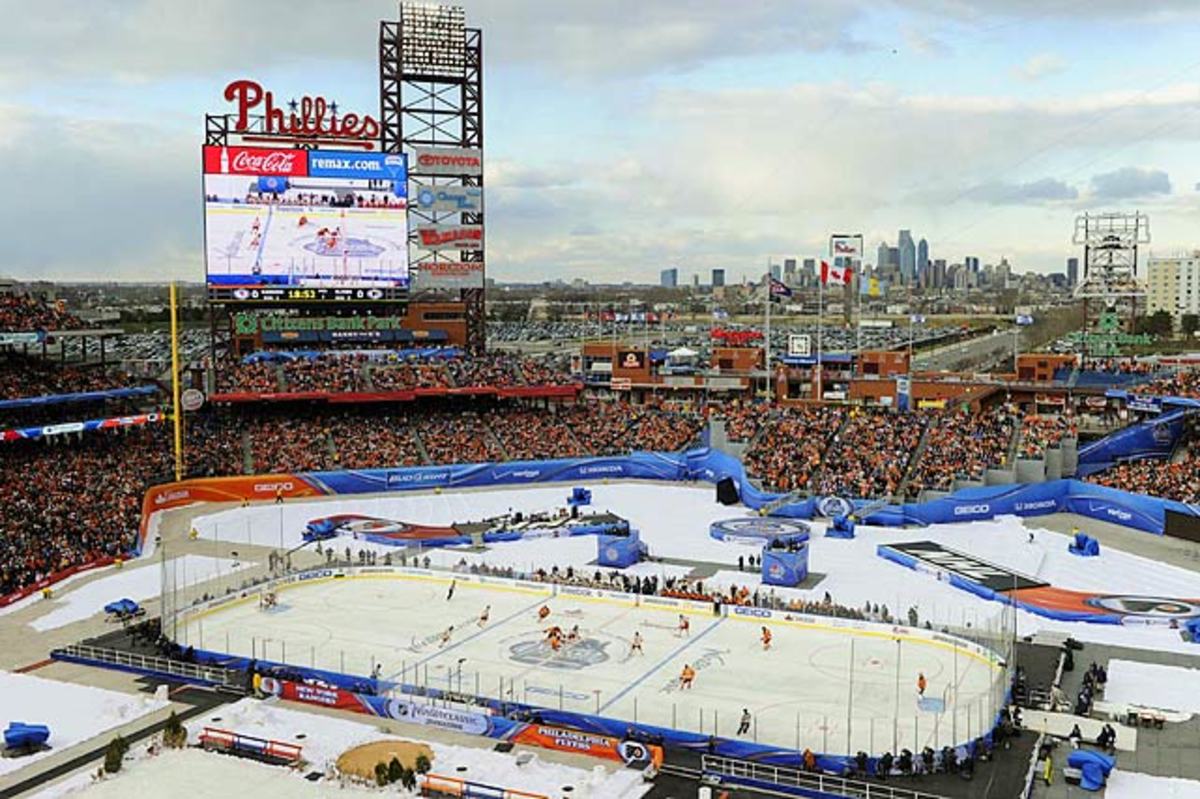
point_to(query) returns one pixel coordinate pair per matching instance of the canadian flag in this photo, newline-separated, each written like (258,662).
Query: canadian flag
(835,274)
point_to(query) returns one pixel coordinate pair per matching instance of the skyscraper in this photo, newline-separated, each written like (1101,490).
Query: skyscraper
(922,262)
(718,278)
(669,278)
(776,271)
(789,270)
(1072,272)
(881,256)
(908,256)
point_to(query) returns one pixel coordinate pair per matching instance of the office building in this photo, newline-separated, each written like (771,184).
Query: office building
(1173,285)
(908,256)
(718,278)
(1072,272)
(669,278)
(922,262)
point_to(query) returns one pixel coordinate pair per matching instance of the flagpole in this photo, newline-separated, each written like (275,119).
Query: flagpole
(767,338)
(820,324)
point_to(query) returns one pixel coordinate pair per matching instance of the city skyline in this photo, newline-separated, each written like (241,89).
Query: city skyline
(982,126)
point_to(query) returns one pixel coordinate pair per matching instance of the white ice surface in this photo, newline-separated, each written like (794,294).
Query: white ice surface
(136,581)
(797,692)
(74,713)
(1131,785)
(1153,685)
(674,520)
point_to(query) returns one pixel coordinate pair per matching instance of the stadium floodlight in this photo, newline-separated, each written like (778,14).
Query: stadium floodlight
(433,40)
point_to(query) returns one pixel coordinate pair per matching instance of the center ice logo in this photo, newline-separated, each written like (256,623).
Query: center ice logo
(573,657)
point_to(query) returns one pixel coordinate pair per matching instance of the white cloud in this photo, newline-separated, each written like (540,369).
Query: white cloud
(1129,183)
(1040,66)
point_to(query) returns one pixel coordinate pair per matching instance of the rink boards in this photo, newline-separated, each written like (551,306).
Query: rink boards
(826,683)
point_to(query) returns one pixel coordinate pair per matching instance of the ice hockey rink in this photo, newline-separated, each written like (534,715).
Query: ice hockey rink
(306,242)
(825,684)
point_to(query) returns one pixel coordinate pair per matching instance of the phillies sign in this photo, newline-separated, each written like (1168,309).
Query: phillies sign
(307,118)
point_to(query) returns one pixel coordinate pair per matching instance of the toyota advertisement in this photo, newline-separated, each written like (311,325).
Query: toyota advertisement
(304,222)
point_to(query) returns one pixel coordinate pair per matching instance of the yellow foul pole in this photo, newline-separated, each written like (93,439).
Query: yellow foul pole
(176,414)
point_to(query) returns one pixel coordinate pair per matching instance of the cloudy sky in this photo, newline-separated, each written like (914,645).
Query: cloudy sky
(626,136)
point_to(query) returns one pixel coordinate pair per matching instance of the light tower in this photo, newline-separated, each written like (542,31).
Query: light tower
(431,102)
(1110,244)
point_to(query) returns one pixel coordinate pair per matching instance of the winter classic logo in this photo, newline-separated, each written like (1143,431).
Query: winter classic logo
(570,657)
(830,507)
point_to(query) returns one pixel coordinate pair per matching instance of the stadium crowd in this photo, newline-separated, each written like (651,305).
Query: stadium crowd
(364,440)
(24,313)
(1180,384)
(46,521)
(870,455)
(1178,479)
(31,377)
(337,373)
(789,450)
(962,445)
(1039,433)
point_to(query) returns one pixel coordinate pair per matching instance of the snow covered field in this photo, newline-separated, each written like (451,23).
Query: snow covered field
(135,581)
(199,775)
(674,521)
(1153,685)
(804,691)
(74,713)
(1129,785)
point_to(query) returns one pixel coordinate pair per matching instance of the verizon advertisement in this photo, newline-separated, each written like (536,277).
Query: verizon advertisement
(449,275)
(450,237)
(305,219)
(456,161)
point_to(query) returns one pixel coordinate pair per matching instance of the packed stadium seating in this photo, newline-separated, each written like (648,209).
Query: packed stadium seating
(31,377)
(1178,479)
(47,524)
(20,312)
(1041,432)
(962,445)
(788,451)
(870,455)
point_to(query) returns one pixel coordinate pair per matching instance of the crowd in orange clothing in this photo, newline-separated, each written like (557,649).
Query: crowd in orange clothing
(372,440)
(261,377)
(336,373)
(1038,433)
(743,419)
(32,377)
(533,435)
(457,438)
(69,502)
(409,376)
(792,444)
(1178,480)
(280,443)
(23,313)
(870,456)
(1180,384)
(962,445)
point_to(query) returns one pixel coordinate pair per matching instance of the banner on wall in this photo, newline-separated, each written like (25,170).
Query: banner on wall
(634,754)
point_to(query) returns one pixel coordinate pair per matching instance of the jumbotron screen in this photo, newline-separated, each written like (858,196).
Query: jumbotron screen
(289,224)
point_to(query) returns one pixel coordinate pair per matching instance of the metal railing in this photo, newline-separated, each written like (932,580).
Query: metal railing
(214,675)
(781,778)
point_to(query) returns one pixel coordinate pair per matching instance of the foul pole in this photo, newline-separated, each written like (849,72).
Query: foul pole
(176,414)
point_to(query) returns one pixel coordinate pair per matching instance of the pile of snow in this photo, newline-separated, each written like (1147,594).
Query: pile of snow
(74,713)
(138,584)
(1153,685)
(1129,785)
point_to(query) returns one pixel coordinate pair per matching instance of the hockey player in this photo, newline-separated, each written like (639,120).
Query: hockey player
(483,617)
(684,627)
(921,684)
(687,676)
(766,639)
(636,644)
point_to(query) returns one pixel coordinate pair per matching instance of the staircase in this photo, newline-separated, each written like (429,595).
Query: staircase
(817,472)
(495,439)
(420,445)
(918,453)
(247,453)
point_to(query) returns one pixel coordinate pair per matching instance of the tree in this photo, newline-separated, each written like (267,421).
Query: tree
(1158,324)
(422,764)
(114,754)
(395,770)
(1190,324)
(174,733)
(381,774)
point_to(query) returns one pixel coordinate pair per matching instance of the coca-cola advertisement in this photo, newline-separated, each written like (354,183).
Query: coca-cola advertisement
(297,219)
